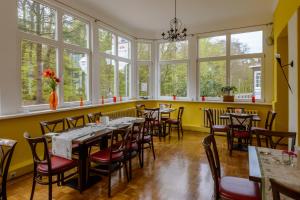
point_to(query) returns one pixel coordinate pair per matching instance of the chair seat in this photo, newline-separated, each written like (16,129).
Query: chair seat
(258,128)
(103,156)
(236,188)
(172,121)
(58,165)
(147,139)
(220,128)
(241,134)
(133,146)
(156,123)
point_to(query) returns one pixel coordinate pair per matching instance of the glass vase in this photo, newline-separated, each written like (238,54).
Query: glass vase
(53,100)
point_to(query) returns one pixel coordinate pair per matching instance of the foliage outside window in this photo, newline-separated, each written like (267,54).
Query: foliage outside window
(39,50)
(244,59)
(115,64)
(173,68)
(144,65)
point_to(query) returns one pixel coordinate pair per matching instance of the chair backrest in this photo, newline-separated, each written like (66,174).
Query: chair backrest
(270,119)
(209,144)
(165,105)
(94,117)
(53,126)
(7,147)
(152,113)
(76,122)
(117,141)
(274,135)
(38,145)
(180,113)
(139,110)
(209,116)
(241,122)
(279,188)
(235,110)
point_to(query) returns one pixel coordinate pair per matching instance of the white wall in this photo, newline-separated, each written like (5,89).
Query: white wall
(293,72)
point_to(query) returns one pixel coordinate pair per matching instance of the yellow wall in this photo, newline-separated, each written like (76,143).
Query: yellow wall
(22,160)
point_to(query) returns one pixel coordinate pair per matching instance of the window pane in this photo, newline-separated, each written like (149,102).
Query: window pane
(36,18)
(75,76)
(75,31)
(245,76)
(124,79)
(212,78)
(123,48)
(212,46)
(244,43)
(144,80)
(107,78)
(107,42)
(173,51)
(173,80)
(35,58)
(144,51)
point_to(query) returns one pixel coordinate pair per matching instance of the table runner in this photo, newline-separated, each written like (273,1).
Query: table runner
(271,166)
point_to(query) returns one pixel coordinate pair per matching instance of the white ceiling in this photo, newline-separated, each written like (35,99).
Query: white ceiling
(148,18)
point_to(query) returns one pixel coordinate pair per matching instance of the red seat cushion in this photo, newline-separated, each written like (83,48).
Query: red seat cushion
(58,164)
(236,188)
(241,134)
(220,128)
(133,146)
(172,121)
(104,156)
(146,139)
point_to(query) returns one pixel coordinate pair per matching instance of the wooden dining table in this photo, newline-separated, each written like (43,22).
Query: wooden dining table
(266,163)
(256,117)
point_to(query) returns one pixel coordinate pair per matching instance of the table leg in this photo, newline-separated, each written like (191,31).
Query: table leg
(83,167)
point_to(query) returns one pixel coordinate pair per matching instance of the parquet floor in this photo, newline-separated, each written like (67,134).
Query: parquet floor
(180,172)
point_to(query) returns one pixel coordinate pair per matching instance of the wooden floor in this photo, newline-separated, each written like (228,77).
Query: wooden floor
(180,171)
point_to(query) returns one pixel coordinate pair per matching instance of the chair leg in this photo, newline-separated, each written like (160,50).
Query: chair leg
(126,170)
(50,187)
(152,147)
(130,168)
(170,130)
(178,131)
(109,183)
(181,129)
(140,158)
(33,187)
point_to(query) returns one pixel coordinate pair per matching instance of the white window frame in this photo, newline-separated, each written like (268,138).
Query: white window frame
(179,61)
(60,46)
(228,58)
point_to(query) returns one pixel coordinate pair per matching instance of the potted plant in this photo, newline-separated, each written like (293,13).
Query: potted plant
(228,93)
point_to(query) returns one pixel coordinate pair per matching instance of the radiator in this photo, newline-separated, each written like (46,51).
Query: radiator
(219,111)
(128,112)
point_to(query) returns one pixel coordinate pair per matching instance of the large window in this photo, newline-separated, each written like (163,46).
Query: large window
(144,65)
(40,46)
(231,59)
(115,64)
(173,64)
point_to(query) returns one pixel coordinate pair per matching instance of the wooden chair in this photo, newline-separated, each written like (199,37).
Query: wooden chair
(53,126)
(165,116)
(270,136)
(47,165)
(157,125)
(94,117)
(140,110)
(279,188)
(227,187)
(240,128)
(235,109)
(111,158)
(7,148)
(75,122)
(176,122)
(145,140)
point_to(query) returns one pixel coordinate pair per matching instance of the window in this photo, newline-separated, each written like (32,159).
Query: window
(115,64)
(173,68)
(240,66)
(144,64)
(40,45)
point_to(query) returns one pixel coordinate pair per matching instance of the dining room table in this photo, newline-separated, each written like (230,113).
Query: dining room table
(84,138)
(281,165)
(226,116)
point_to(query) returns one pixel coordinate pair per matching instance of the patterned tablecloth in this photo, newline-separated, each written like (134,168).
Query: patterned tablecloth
(272,166)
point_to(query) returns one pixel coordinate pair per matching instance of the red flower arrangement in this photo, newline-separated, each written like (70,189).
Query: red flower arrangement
(52,79)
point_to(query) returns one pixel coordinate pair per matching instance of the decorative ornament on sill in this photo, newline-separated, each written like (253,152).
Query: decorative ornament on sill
(175,33)
(52,81)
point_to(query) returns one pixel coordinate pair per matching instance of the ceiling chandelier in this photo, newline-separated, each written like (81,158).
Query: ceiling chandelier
(175,33)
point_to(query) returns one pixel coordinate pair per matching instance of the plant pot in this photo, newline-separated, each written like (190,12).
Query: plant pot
(53,100)
(228,98)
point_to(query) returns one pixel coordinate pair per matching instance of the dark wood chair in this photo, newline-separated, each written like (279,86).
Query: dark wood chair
(145,139)
(112,158)
(76,121)
(47,165)
(7,148)
(274,137)
(53,126)
(177,123)
(140,110)
(94,117)
(240,128)
(279,188)
(228,187)
(235,109)
(157,125)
